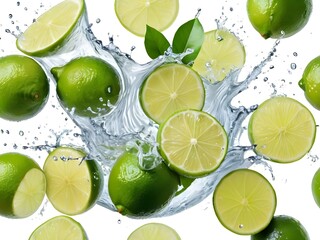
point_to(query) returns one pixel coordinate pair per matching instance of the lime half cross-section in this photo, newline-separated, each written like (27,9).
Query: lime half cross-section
(154,231)
(244,201)
(60,227)
(171,88)
(48,32)
(193,143)
(282,129)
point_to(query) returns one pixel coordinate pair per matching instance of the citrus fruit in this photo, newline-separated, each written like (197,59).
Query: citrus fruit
(193,143)
(134,15)
(315,186)
(139,192)
(59,227)
(310,82)
(49,31)
(89,86)
(170,88)
(282,129)
(244,201)
(282,227)
(278,18)
(22,185)
(154,231)
(221,52)
(24,87)
(74,184)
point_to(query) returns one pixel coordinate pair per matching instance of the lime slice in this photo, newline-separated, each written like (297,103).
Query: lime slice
(192,142)
(221,52)
(67,228)
(154,231)
(134,15)
(48,32)
(73,184)
(244,201)
(171,88)
(22,185)
(282,129)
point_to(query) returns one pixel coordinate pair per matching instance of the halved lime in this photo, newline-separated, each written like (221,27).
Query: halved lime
(22,185)
(154,231)
(282,129)
(244,201)
(134,15)
(49,30)
(60,227)
(221,52)
(171,88)
(192,142)
(73,184)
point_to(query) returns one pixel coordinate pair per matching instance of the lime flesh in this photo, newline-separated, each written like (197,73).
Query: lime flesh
(154,231)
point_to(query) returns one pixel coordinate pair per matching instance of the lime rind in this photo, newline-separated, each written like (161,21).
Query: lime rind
(51,29)
(282,129)
(189,134)
(244,201)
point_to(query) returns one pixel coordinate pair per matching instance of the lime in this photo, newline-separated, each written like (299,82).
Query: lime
(74,184)
(154,231)
(315,186)
(282,129)
(192,142)
(278,18)
(139,192)
(221,52)
(89,86)
(310,82)
(134,15)
(170,88)
(68,229)
(282,227)
(244,201)
(48,32)
(22,185)
(24,87)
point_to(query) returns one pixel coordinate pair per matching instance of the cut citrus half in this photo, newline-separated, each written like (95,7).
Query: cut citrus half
(49,30)
(193,143)
(134,15)
(282,129)
(221,52)
(73,184)
(60,227)
(171,88)
(154,231)
(244,201)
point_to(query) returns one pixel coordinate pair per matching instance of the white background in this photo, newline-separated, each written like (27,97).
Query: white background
(292,181)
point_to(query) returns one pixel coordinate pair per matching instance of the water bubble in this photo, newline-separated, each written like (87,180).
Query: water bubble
(25,8)
(7,30)
(295,54)
(293,66)
(231,9)
(98,20)
(10,15)
(18,4)
(21,133)
(265,79)
(119,221)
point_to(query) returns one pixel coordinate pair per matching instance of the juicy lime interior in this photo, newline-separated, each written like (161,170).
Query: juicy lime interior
(154,231)
(244,201)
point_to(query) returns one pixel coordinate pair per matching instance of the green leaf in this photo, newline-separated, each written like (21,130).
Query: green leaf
(190,35)
(155,43)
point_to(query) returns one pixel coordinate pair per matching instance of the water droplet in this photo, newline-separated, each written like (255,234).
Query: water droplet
(21,133)
(7,30)
(265,79)
(293,66)
(241,226)
(18,4)
(10,15)
(55,158)
(25,8)
(119,221)
(295,54)
(231,9)
(98,20)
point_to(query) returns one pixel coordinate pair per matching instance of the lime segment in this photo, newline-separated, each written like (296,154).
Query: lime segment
(221,52)
(73,184)
(192,142)
(282,129)
(51,28)
(134,15)
(244,201)
(154,231)
(171,88)
(67,228)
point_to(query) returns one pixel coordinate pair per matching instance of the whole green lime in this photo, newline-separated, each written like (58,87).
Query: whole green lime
(138,192)
(282,227)
(22,185)
(89,86)
(24,87)
(315,186)
(310,82)
(278,18)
